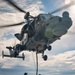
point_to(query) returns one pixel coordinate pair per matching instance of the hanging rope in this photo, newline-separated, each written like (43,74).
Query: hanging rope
(37,62)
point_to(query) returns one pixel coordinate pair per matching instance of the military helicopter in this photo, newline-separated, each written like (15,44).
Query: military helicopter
(39,32)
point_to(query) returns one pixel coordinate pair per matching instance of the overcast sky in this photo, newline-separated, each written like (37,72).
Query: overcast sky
(61,59)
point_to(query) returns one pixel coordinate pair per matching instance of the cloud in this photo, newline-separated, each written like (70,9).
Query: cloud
(7,18)
(56,64)
(60,63)
(29,5)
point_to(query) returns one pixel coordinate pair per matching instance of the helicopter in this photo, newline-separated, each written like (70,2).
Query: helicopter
(39,32)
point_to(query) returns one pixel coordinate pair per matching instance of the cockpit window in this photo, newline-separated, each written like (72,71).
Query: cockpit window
(45,16)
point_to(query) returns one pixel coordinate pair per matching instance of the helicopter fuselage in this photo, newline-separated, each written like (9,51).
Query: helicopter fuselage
(48,29)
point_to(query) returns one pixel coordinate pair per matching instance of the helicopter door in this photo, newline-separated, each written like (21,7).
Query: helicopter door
(25,39)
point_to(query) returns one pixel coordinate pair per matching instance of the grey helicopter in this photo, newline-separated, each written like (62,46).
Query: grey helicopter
(39,32)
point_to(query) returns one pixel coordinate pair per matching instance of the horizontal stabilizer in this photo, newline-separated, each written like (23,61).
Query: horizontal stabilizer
(3,55)
(23,57)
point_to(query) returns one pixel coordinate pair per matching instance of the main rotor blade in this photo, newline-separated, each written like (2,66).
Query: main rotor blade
(63,7)
(17,24)
(14,5)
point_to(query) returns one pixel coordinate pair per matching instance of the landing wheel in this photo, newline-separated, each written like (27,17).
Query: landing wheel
(45,57)
(45,47)
(23,56)
(49,48)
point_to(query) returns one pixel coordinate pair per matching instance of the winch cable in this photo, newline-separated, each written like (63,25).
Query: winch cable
(36,62)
